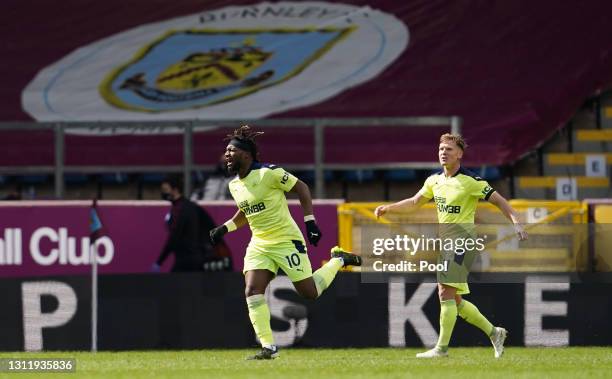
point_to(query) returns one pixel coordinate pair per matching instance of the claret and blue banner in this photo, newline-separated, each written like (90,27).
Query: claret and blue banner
(505,71)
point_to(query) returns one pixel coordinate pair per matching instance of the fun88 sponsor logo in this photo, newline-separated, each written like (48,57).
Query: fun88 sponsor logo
(250,209)
(447,208)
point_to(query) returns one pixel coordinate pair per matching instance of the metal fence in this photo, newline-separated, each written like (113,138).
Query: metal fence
(187,127)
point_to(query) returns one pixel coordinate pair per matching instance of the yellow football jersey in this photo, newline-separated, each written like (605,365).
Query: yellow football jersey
(456,196)
(261,197)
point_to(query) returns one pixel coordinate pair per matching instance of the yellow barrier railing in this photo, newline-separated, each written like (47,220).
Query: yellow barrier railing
(558,222)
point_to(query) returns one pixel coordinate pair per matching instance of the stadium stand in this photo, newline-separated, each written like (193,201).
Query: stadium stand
(572,164)
(531,102)
(580,157)
(593,140)
(400,175)
(547,187)
(148,185)
(308,176)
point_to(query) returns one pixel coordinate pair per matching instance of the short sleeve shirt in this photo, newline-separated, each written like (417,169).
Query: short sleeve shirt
(456,197)
(261,197)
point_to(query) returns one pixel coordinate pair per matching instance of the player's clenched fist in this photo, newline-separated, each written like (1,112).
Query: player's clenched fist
(216,234)
(380,210)
(520,232)
(313,232)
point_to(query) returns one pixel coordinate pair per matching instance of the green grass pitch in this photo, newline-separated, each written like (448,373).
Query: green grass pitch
(472,363)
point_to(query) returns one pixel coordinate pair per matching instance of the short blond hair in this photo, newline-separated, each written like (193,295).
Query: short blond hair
(456,138)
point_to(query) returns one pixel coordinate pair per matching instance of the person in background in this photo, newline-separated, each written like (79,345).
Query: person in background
(188,227)
(14,193)
(216,185)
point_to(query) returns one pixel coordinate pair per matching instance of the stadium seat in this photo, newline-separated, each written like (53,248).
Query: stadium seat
(544,187)
(75,178)
(569,163)
(594,135)
(550,182)
(400,175)
(309,176)
(33,179)
(592,140)
(152,178)
(358,176)
(115,178)
(361,185)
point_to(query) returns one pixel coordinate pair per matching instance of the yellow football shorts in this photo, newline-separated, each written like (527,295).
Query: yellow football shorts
(290,256)
(458,270)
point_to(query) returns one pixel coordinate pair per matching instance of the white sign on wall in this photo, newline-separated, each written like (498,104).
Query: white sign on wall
(567,189)
(536,214)
(595,165)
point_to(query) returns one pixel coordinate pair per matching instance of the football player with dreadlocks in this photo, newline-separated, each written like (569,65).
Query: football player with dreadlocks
(276,242)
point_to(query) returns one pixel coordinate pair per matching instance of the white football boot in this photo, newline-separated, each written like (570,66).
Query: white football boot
(497,339)
(433,353)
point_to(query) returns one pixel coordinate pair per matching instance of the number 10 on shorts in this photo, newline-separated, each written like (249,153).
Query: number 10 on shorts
(293,260)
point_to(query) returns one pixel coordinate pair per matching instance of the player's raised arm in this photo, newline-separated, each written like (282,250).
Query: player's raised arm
(237,221)
(500,202)
(404,206)
(313,233)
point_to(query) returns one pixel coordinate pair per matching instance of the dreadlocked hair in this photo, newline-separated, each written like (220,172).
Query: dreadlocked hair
(246,135)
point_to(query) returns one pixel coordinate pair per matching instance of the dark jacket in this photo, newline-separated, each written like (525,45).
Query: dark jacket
(189,226)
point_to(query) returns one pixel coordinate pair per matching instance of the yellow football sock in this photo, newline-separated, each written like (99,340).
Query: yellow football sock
(259,313)
(470,313)
(448,316)
(326,274)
